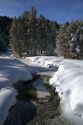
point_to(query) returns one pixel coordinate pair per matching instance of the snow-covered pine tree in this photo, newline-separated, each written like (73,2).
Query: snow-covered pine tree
(62,43)
(14,35)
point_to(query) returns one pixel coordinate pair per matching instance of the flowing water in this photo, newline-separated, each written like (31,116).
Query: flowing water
(37,104)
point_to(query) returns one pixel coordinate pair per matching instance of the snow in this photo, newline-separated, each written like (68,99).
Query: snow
(68,81)
(67,78)
(11,71)
(41,90)
(45,61)
(7,98)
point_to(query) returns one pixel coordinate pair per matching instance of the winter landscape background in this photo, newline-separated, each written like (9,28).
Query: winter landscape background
(41,64)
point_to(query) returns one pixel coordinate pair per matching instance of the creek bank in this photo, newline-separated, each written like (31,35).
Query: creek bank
(30,109)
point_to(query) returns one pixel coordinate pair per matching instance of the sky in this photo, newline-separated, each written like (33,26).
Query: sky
(58,10)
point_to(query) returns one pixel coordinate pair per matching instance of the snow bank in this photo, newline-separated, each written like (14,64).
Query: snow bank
(68,81)
(7,98)
(45,61)
(11,71)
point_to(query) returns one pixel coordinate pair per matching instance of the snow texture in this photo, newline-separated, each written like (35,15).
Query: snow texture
(68,81)
(11,71)
(46,61)
(41,90)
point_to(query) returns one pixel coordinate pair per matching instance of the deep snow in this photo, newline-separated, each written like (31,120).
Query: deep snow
(11,71)
(68,81)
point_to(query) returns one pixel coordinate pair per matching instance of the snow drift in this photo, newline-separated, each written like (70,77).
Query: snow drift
(11,71)
(68,81)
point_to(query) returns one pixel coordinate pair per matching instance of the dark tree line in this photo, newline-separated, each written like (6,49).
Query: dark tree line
(32,34)
(5,24)
(36,35)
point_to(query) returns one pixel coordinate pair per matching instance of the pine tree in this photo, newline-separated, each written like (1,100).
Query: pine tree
(33,35)
(5,23)
(15,38)
(75,31)
(33,32)
(62,42)
(42,34)
(3,45)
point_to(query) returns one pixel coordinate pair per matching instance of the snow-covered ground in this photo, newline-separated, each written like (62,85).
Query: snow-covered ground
(41,90)
(45,61)
(11,71)
(68,81)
